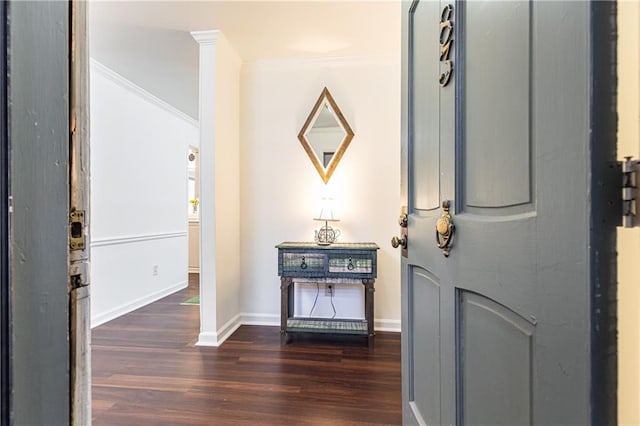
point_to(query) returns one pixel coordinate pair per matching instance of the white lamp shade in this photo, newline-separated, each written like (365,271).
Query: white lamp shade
(326,211)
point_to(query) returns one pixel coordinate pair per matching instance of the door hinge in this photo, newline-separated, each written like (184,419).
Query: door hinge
(629,192)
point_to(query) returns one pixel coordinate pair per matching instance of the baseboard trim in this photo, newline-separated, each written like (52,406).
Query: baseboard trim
(135,304)
(227,330)
(389,325)
(206,338)
(260,319)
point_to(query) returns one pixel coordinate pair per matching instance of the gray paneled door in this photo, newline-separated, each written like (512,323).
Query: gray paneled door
(5,350)
(498,121)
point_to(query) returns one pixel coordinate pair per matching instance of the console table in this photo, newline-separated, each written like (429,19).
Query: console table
(339,263)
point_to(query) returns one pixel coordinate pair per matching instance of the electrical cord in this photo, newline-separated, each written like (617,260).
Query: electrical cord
(315,301)
(332,305)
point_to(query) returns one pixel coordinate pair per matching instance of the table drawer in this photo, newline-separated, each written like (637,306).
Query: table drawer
(302,262)
(351,264)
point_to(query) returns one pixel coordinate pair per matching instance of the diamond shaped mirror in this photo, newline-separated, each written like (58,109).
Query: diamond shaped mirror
(325,135)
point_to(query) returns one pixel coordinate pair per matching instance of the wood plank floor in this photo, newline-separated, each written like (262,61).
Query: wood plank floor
(147,371)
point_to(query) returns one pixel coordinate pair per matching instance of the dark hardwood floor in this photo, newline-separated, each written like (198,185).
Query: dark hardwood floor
(147,371)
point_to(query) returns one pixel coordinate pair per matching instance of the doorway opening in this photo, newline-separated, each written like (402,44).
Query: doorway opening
(193,192)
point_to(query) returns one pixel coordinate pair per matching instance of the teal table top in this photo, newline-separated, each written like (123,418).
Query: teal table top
(309,245)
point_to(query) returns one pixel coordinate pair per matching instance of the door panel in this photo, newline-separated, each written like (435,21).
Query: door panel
(496,61)
(38,51)
(508,142)
(495,362)
(425,116)
(424,326)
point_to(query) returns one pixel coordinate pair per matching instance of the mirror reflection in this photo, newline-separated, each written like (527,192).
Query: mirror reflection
(325,135)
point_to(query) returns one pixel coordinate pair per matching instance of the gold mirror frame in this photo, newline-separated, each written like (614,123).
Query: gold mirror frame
(325,97)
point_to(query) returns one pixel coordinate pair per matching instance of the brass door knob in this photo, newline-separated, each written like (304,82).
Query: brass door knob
(399,242)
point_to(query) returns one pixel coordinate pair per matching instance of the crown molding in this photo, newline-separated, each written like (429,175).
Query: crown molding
(206,37)
(288,64)
(132,87)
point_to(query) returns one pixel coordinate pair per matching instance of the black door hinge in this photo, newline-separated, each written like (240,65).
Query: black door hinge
(629,192)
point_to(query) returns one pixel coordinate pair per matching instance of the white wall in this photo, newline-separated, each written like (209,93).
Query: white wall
(281,189)
(628,239)
(227,182)
(138,195)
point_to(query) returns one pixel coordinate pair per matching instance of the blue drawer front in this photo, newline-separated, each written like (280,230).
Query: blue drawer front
(354,264)
(304,263)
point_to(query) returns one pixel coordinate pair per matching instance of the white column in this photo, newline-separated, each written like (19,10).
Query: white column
(207,41)
(219,188)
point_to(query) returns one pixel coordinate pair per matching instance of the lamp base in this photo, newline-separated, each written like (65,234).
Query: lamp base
(326,235)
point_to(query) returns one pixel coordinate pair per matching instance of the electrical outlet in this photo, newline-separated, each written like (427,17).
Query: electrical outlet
(328,290)
(154,270)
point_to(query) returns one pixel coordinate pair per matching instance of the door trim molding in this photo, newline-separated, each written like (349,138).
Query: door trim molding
(605,192)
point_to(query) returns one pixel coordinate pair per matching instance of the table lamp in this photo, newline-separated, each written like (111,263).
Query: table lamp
(326,235)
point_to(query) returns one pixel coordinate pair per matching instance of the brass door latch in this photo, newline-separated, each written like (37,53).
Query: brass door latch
(402,241)
(77,239)
(445,230)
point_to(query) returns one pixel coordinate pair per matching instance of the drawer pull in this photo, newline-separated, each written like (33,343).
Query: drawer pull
(350,265)
(303,264)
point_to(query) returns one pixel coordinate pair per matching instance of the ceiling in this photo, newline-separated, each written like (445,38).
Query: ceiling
(149,42)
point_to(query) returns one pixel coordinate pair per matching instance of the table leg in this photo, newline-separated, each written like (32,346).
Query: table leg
(368,307)
(285,285)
